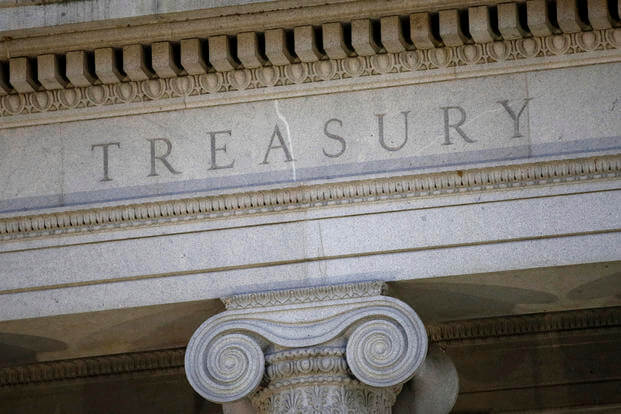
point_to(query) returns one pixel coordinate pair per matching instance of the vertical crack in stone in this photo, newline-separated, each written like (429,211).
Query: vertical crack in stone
(289,140)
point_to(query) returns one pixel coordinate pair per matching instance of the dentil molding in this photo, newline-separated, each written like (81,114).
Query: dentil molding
(309,78)
(353,52)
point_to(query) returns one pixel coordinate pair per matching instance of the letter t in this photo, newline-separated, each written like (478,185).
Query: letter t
(104,148)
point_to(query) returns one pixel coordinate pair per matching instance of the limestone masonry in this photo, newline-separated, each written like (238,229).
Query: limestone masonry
(310,206)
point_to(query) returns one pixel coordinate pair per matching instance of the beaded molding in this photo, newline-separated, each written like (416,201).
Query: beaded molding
(380,189)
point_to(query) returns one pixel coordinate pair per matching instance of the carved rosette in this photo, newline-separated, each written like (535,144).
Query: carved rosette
(314,350)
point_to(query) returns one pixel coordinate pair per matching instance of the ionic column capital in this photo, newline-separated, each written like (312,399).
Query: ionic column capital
(344,335)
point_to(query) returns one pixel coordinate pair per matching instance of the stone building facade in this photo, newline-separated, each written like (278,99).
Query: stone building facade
(310,206)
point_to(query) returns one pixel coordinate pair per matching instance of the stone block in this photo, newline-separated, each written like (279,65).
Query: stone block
(362,38)
(567,16)
(334,41)
(49,72)
(78,72)
(248,50)
(192,57)
(450,29)
(106,66)
(20,75)
(276,48)
(599,15)
(392,34)
(538,19)
(220,54)
(135,63)
(509,21)
(306,44)
(420,31)
(163,60)
(480,27)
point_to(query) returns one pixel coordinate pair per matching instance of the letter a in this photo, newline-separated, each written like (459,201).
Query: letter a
(282,145)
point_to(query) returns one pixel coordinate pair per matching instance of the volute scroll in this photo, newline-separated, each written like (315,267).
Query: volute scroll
(328,348)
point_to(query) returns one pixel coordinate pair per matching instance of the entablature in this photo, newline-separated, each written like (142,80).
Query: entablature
(311,49)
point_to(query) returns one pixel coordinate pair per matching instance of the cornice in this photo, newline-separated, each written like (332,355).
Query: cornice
(309,196)
(344,51)
(208,21)
(309,78)
(172,360)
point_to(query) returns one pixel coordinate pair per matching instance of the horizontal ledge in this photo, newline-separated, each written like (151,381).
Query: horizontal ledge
(305,79)
(195,272)
(361,191)
(230,20)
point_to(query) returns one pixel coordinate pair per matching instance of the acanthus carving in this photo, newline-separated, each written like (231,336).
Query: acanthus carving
(350,396)
(317,380)
(421,63)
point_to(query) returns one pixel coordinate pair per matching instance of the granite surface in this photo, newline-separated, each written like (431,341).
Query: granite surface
(450,125)
(16,16)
